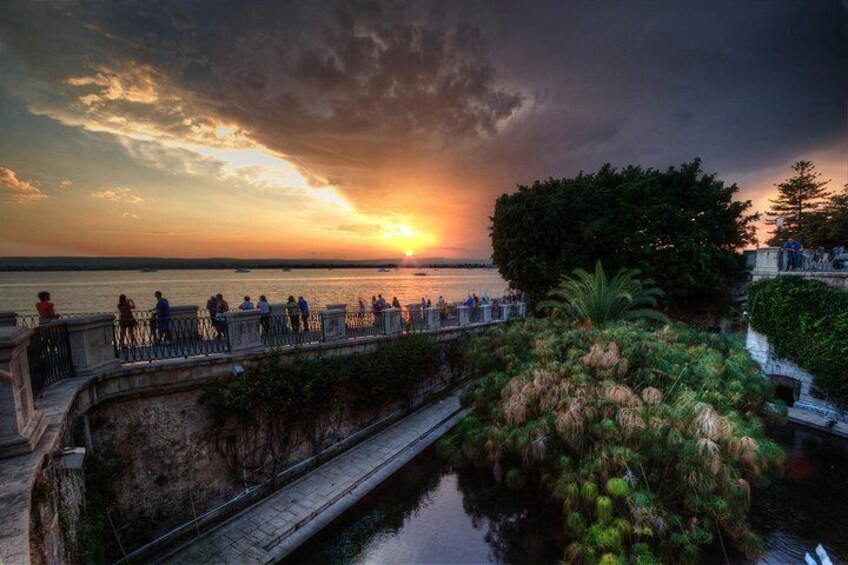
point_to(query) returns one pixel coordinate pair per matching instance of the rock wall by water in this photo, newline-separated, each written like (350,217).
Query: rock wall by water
(164,465)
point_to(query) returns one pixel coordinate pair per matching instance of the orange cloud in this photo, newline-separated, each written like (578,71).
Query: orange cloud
(18,191)
(121,195)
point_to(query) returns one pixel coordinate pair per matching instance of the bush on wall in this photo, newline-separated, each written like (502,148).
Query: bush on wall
(806,321)
(259,416)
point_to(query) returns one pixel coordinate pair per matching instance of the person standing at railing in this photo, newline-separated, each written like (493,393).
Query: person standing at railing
(376,309)
(212,309)
(264,314)
(792,250)
(294,314)
(395,302)
(126,320)
(221,309)
(163,316)
(303,306)
(46,309)
(361,314)
(246,305)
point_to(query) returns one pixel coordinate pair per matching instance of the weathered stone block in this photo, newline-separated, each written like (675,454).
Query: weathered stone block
(464,315)
(767,262)
(92,344)
(333,324)
(431,316)
(392,321)
(506,311)
(486,313)
(21,425)
(243,330)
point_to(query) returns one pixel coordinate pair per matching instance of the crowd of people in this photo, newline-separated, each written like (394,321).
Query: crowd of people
(217,308)
(796,258)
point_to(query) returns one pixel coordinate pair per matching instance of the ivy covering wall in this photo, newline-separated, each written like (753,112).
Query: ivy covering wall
(806,321)
(260,418)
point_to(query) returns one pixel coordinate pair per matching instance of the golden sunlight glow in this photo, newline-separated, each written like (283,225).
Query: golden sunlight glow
(408,253)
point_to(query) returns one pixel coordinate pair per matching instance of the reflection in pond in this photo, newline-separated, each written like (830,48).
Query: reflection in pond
(430,513)
(809,505)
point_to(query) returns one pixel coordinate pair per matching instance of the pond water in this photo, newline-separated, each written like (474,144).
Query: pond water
(430,513)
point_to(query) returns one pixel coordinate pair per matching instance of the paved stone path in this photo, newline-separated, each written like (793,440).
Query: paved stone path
(276,526)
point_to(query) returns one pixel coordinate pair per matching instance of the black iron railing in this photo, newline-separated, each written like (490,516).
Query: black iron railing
(363,324)
(148,337)
(812,261)
(49,356)
(290,329)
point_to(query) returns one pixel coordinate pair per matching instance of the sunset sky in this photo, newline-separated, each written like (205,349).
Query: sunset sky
(370,129)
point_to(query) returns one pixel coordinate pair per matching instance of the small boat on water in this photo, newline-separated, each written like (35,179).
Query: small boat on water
(147,270)
(382,270)
(286,270)
(420,273)
(242,270)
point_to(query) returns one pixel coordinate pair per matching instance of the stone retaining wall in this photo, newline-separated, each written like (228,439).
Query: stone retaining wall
(145,423)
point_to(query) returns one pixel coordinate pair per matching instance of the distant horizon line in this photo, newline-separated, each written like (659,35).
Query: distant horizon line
(76,263)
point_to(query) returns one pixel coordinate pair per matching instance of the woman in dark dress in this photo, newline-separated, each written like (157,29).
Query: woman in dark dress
(126,319)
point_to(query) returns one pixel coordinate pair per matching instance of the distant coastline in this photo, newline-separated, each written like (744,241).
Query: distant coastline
(20,264)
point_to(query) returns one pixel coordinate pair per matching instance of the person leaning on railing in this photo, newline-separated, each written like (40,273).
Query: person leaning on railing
(264,314)
(791,249)
(293,311)
(126,319)
(45,308)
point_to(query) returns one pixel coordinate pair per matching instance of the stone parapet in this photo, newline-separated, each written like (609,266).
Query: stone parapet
(486,313)
(431,318)
(333,326)
(21,425)
(243,330)
(92,345)
(392,321)
(768,262)
(463,313)
(8,319)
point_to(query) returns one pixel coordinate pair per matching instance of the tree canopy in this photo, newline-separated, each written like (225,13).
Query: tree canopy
(680,227)
(810,213)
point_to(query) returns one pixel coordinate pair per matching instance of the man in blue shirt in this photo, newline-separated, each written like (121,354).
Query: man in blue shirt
(304,312)
(163,316)
(792,249)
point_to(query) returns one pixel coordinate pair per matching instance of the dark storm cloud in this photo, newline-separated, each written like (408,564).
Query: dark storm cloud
(495,92)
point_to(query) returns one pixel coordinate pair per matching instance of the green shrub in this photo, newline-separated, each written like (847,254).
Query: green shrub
(806,321)
(667,423)
(258,415)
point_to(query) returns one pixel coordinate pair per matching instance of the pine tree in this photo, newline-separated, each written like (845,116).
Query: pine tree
(799,197)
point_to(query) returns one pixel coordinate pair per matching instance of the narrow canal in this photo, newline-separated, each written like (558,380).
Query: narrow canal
(430,513)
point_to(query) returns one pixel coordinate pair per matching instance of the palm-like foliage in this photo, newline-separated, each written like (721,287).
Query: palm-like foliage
(592,297)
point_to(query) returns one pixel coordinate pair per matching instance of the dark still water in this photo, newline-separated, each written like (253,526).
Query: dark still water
(430,513)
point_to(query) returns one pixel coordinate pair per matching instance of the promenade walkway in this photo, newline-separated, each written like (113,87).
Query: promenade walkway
(274,527)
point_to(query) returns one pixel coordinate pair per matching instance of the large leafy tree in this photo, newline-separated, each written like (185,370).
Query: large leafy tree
(680,227)
(801,203)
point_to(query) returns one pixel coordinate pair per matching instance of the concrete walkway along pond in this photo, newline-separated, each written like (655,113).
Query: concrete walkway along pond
(274,527)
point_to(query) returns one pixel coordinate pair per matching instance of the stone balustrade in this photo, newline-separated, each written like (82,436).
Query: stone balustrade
(243,330)
(392,321)
(92,344)
(21,425)
(333,326)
